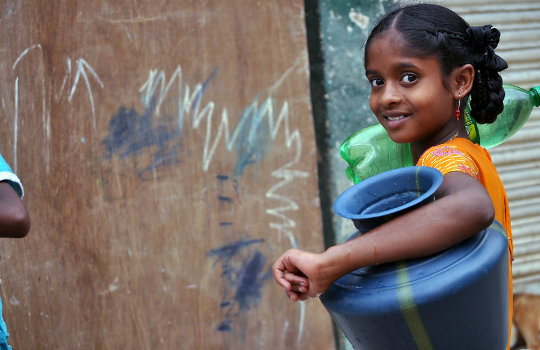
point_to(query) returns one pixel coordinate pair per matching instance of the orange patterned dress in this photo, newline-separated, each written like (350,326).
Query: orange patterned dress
(462,155)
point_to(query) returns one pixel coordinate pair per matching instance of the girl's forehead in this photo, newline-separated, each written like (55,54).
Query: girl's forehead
(389,52)
(388,40)
(387,45)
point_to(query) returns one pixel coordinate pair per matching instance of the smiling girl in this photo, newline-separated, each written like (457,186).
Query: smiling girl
(423,62)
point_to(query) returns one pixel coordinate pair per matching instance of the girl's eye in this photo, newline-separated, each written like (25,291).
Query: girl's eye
(409,78)
(376,82)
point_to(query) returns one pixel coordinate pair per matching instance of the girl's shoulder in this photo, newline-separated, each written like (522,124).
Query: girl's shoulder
(474,150)
(457,146)
(454,155)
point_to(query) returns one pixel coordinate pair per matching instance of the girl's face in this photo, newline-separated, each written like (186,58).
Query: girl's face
(407,93)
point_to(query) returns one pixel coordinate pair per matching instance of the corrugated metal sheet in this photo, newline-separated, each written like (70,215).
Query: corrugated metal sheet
(518,159)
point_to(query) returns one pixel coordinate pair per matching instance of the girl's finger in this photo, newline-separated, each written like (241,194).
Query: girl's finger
(278,271)
(292,295)
(295,279)
(298,289)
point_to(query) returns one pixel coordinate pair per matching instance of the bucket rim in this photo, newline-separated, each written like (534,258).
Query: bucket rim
(434,174)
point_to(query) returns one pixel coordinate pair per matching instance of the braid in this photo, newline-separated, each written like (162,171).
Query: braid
(454,35)
(487,94)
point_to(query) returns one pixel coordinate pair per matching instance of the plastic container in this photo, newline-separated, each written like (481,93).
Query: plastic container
(381,198)
(518,105)
(457,299)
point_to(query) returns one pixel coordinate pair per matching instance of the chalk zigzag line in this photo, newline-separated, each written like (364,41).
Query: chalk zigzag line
(155,90)
(286,175)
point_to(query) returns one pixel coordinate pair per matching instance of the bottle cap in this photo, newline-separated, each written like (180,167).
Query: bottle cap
(536,95)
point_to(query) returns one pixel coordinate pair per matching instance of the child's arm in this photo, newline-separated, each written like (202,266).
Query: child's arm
(14,219)
(463,208)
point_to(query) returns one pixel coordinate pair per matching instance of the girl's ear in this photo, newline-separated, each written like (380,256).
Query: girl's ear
(462,80)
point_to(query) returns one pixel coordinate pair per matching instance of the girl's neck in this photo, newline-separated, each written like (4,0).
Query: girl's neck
(420,146)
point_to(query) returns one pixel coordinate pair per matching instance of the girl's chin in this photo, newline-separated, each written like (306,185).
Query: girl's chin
(399,138)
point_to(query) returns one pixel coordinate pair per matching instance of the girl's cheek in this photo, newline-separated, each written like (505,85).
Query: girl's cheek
(372,103)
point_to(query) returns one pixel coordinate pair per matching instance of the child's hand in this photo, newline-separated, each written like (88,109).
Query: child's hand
(299,273)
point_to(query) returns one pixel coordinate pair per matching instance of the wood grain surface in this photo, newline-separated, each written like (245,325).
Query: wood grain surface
(168,157)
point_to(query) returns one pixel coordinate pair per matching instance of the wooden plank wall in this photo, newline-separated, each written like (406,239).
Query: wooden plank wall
(168,157)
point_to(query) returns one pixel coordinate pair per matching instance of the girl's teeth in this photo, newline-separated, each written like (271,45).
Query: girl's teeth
(396,118)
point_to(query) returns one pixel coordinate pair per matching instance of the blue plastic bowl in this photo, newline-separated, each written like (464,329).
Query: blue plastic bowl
(382,197)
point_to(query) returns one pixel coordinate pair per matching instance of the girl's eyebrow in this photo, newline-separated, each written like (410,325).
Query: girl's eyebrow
(407,64)
(370,72)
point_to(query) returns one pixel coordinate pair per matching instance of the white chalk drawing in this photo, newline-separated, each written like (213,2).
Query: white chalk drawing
(83,69)
(15,124)
(46,120)
(156,89)
(82,66)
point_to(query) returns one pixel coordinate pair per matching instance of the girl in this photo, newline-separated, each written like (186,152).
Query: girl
(423,62)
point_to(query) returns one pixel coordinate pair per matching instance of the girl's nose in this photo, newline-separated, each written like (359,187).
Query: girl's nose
(390,95)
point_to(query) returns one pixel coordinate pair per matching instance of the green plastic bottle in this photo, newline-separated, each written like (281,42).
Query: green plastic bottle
(369,151)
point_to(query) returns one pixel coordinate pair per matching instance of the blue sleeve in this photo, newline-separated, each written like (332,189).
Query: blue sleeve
(6,174)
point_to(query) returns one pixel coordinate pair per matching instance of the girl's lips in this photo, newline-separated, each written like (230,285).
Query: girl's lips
(394,120)
(395,115)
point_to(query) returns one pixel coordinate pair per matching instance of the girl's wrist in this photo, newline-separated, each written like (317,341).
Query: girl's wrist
(337,261)
(344,258)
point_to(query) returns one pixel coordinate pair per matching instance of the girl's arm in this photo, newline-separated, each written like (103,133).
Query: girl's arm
(462,209)
(14,219)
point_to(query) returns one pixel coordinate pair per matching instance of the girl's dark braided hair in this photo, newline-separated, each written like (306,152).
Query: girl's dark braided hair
(434,30)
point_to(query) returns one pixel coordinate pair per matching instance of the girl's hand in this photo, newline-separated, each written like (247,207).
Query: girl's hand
(299,272)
